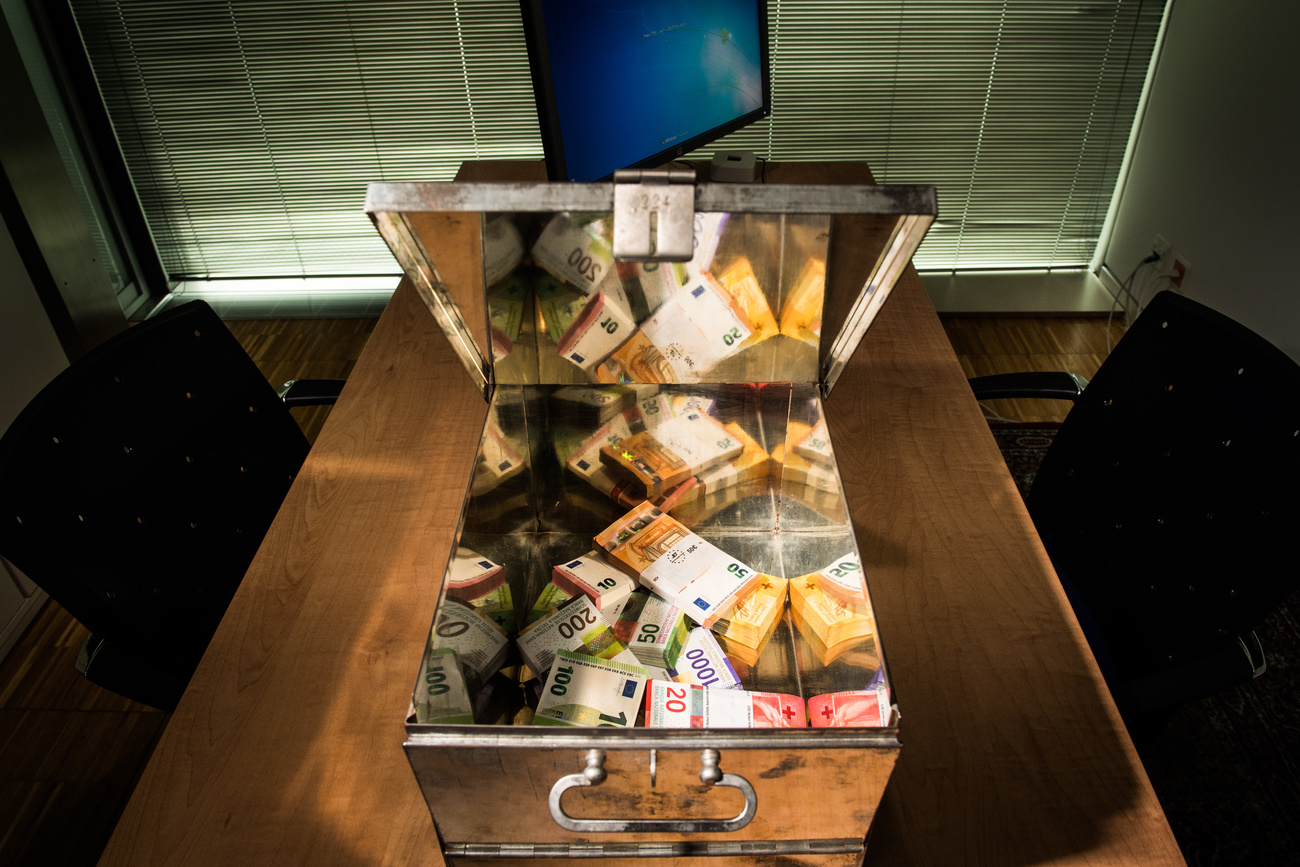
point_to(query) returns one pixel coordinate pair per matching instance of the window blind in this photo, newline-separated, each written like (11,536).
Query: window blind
(251,127)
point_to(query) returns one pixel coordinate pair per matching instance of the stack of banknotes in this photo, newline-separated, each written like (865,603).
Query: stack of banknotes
(479,643)
(591,576)
(653,629)
(747,628)
(690,572)
(648,322)
(481,583)
(833,623)
(673,452)
(803,467)
(442,696)
(670,451)
(650,627)
(703,662)
(575,626)
(502,456)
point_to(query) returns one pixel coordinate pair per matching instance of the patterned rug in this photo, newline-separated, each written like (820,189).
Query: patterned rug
(1023,446)
(1226,769)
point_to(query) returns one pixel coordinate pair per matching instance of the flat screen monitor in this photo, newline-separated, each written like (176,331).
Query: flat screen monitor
(633,84)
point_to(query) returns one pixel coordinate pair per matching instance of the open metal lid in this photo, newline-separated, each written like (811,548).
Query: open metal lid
(652,278)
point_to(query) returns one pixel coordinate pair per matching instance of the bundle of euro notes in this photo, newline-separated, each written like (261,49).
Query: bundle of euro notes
(632,413)
(688,571)
(604,324)
(637,360)
(697,328)
(812,442)
(741,286)
(583,690)
(750,464)
(814,485)
(592,576)
(585,463)
(672,452)
(805,458)
(499,460)
(591,406)
(854,652)
(472,575)
(725,483)
(801,316)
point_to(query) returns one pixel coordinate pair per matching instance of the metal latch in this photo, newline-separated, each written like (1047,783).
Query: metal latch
(654,215)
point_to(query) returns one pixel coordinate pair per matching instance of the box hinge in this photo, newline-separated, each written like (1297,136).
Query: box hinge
(654,215)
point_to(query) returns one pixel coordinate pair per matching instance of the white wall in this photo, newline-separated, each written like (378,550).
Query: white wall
(1216,168)
(30,356)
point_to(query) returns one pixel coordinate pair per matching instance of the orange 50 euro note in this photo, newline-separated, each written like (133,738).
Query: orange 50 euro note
(671,453)
(691,573)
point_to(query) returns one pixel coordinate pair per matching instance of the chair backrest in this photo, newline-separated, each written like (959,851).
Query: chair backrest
(137,486)
(1169,497)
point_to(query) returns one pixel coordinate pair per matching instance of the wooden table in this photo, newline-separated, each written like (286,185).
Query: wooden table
(287,747)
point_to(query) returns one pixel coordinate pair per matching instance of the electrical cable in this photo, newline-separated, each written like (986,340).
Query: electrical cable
(1126,292)
(992,415)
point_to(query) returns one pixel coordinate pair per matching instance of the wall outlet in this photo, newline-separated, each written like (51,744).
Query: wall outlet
(1179,269)
(1161,247)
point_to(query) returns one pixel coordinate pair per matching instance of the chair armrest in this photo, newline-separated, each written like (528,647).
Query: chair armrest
(310,392)
(1053,385)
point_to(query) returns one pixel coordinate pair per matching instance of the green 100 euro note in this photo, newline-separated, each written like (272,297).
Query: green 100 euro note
(441,696)
(584,690)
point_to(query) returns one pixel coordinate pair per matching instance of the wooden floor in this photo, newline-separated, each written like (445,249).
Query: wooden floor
(987,345)
(70,753)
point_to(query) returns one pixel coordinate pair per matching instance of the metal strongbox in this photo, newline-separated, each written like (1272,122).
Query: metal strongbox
(654,638)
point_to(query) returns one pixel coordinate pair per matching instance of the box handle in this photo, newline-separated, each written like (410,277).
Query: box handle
(594,774)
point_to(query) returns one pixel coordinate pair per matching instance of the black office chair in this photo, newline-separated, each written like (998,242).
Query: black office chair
(1168,503)
(137,486)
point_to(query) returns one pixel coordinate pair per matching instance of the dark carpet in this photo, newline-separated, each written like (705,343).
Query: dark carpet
(1227,768)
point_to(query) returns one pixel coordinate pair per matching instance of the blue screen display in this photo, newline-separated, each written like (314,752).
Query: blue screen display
(634,79)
